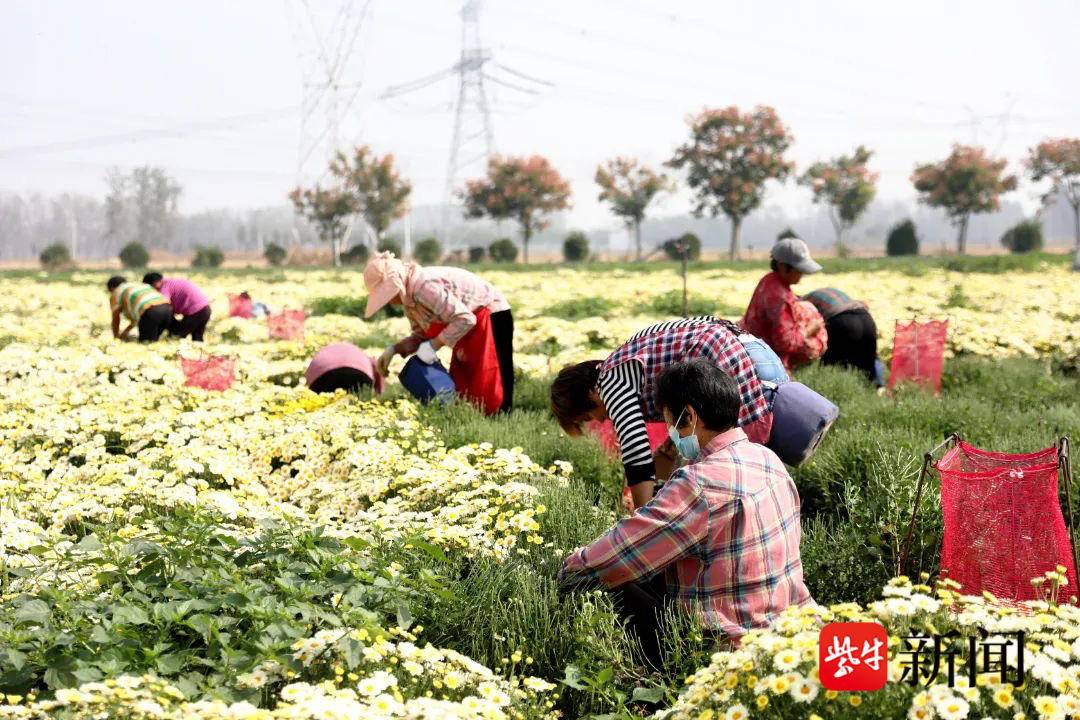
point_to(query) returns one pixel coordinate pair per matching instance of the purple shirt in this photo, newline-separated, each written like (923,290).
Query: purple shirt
(185,296)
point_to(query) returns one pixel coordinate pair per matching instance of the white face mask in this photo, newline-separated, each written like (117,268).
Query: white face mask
(688,446)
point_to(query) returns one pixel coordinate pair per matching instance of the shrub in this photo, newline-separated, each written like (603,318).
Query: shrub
(503,250)
(578,308)
(693,245)
(902,240)
(55,256)
(477,253)
(575,247)
(1024,237)
(786,233)
(134,255)
(207,257)
(275,254)
(428,251)
(356,255)
(351,305)
(391,245)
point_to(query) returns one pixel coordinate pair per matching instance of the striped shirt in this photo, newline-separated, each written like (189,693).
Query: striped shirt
(449,296)
(724,530)
(628,376)
(133,298)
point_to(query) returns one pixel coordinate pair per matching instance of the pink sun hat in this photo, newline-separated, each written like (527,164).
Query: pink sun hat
(384,277)
(343,355)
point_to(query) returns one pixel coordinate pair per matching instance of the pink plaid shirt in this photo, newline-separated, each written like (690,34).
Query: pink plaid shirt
(450,296)
(725,529)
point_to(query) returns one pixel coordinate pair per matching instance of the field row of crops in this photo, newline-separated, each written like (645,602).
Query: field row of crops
(266,552)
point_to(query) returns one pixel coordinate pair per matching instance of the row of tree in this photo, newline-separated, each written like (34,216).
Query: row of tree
(728,160)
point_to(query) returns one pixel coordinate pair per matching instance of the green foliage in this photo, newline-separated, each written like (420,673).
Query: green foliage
(576,247)
(351,305)
(192,602)
(428,251)
(674,248)
(903,239)
(356,255)
(503,250)
(1024,237)
(578,308)
(671,304)
(55,257)
(477,253)
(390,245)
(846,185)
(373,186)
(787,233)
(207,257)
(275,254)
(134,255)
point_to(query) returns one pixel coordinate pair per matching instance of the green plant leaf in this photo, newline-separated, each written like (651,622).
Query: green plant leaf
(649,695)
(33,612)
(573,679)
(129,615)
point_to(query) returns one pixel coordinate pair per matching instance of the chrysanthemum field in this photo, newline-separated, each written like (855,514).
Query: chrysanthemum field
(265,552)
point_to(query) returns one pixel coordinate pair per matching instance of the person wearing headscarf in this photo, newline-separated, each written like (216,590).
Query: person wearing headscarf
(446,296)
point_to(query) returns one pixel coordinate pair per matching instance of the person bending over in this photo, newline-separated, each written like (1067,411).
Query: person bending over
(721,537)
(142,305)
(852,332)
(187,300)
(622,388)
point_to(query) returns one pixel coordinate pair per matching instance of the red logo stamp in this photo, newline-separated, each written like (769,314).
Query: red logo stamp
(853,656)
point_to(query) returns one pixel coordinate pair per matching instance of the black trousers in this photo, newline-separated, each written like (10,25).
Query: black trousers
(852,341)
(193,325)
(642,604)
(154,321)
(502,330)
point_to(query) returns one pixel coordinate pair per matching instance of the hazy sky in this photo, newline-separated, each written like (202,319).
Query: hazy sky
(212,90)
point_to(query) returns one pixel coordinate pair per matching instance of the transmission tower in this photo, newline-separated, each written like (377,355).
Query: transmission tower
(325,50)
(472,140)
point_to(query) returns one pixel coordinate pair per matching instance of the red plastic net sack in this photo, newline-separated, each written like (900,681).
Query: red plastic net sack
(1003,522)
(240,307)
(286,325)
(919,353)
(212,373)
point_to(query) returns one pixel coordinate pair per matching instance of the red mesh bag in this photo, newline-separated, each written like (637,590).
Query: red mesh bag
(212,373)
(919,353)
(286,325)
(240,307)
(1003,521)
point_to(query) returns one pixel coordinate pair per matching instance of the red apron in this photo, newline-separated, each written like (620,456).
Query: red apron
(475,364)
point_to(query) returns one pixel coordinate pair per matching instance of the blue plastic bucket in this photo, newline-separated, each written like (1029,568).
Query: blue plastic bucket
(425,381)
(801,418)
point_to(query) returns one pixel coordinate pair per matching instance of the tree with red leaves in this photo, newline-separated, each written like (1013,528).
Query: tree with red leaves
(729,158)
(846,185)
(966,182)
(1058,160)
(517,188)
(630,187)
(366,184)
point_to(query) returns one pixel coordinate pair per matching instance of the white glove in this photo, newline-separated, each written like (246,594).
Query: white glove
(383,364)
(426,353)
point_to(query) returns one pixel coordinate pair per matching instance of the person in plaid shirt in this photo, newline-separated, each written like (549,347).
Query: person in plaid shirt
(721,536)
(621,387)
(448,296)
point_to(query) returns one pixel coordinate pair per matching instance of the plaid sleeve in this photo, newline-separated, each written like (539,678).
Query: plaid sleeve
(448,309)
(670,526)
